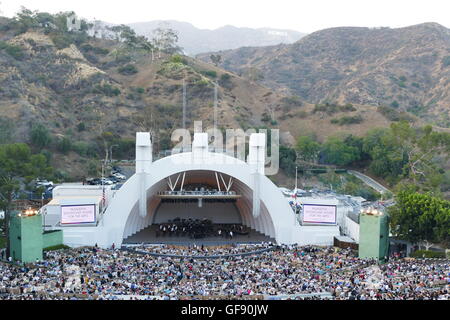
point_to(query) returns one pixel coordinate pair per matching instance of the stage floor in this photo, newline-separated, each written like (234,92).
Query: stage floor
(148,235)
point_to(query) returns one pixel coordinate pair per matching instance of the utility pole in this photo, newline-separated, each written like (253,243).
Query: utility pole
(184,104)
(42,211)
(110,152)
(215,106)
(295,178)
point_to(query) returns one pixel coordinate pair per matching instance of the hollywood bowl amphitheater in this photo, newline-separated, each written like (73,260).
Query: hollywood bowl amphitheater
(199,185)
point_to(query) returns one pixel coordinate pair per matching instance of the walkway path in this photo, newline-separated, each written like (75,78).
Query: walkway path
(375,278)
(73,280)
(369,181)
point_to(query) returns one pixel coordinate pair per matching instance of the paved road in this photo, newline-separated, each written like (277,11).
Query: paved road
(128,171)
(369,181)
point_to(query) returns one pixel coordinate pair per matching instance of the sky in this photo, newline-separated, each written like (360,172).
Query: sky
(303,16)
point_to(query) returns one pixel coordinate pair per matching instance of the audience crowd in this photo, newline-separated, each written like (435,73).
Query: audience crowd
(287,272)
(201,250)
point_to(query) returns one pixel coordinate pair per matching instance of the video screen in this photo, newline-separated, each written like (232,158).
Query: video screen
(78,214)
(319,214)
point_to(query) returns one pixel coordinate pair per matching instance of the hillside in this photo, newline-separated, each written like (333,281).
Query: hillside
(405,68)
(194,40)
(79,94)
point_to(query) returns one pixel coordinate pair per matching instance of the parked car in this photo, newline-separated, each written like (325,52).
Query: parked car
(106,181)
(119,176)
(116,169)
(94,182)
(43,183)
(113,178)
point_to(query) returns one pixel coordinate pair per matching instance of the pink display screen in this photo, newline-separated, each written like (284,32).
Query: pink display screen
(320,214)
(78,214)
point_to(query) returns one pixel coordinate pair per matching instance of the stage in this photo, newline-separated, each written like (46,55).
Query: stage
(148,235)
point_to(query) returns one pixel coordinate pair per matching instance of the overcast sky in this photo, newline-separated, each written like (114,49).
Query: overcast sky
(304,16)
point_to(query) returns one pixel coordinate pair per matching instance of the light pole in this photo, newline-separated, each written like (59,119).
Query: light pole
(110,151)
(42,205)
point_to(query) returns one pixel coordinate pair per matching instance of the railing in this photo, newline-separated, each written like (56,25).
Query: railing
(224,256)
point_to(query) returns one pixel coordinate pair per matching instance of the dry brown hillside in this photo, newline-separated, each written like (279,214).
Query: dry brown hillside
(80,91)
(406,68)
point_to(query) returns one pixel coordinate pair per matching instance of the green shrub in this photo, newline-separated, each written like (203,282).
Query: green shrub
(7,129)
(81,127)
(301,114)
(291,102)
(393,115)
(225,81)
(334,121)
(97,50)
(265,117)
(202,82)
(140,90)
(346,120)
(332,108)
(446,61)
(64,145)
(176,58)
(347,108)
(427,254)
(61,41)
(173,70)
(129,69)
(225,77)
(106,89)
(209,73)
(123,58)
(82,148)
(40,136)
(57,247)
(101,51)
(14,51)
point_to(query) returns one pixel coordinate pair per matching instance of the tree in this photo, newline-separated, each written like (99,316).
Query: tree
(308,149)
(336,151)
(7,129)
(40,136)
(17,162)
(420,148)
(130,41)
(25,20)
(8,188)
(216,59)
(64,145)
(420,218)
(149,120)
(386,158)
(165,40)
(288,158)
